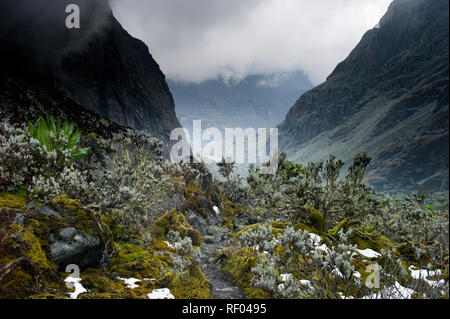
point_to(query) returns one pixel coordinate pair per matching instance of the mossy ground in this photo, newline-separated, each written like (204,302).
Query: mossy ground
(173,221)
(149,264)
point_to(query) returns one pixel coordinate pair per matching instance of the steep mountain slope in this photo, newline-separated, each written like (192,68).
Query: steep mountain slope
(256,101)
(389,97)
(100,66)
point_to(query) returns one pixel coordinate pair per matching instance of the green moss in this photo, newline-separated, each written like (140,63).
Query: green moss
(246,229)
(303,227)
(137,261)
(191,285)
(364,240)
(19,241)
(343,224)
(409,254)
(193,194)
(10,201)
(239,265)
(26,280)
(175,222)
(315,219)
(67,202)
(18,285)
(161,245)
(230,210)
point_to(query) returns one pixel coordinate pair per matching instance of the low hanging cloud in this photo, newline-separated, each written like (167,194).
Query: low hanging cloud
(196,40)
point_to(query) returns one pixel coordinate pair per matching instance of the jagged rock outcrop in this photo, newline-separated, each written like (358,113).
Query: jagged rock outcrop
(99,66)
(389,97)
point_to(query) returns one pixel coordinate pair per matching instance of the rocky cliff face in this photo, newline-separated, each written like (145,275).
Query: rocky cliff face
(389,97)
(99,66)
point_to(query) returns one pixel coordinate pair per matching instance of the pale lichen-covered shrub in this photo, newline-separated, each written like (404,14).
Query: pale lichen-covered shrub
(18,163)
(27,164)
(186,254)
(134,185)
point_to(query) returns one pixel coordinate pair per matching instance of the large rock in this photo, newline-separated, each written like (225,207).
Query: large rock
(69,234)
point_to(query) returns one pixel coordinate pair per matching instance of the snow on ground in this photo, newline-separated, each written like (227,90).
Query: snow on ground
(423,274)
(369,253)
(169,244)
(306,283)
(130,282)
(285,277)
(337,272)
(396,291)
(316,239)
(75,283)
(345,297)
(163,293)
(216,210)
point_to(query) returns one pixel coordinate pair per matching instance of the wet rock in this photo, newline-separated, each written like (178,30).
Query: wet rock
(74,246)
(71,234)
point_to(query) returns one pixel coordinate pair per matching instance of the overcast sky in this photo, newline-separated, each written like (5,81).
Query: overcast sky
(195,40)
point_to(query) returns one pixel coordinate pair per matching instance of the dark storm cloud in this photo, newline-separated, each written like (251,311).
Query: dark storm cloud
(194,40)
(34,34)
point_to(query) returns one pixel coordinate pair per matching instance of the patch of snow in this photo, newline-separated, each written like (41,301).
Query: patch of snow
(280,287)
(285,277)
(345,297)
(357,274)
(315,238)
(275,241)
(169,244)
(423,274)
(306,283)
(396,291)
(337,272)
(369,253)
(323,247)
(130,282)
(75,283)
(216,210)
(163,293)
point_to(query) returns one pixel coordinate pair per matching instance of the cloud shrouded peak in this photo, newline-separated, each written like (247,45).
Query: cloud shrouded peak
(195,40)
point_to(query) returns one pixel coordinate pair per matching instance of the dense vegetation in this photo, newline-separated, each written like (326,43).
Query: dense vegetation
(117,209)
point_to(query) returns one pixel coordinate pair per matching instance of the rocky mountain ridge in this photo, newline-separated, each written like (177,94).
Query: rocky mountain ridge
(389,98)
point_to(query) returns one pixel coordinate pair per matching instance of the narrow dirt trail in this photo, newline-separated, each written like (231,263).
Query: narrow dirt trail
(222,287)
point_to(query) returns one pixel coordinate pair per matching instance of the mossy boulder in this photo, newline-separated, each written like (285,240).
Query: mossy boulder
(137,261)
(68,233)
(30,272)
(175,222)
(230,212)
(312,218)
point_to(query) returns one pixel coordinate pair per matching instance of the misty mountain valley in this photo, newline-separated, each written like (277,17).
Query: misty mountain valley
(136,163)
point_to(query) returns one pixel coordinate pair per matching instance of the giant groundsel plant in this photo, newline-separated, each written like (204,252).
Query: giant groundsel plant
(56,136)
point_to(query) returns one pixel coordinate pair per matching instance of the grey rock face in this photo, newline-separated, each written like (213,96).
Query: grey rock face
(389,98)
